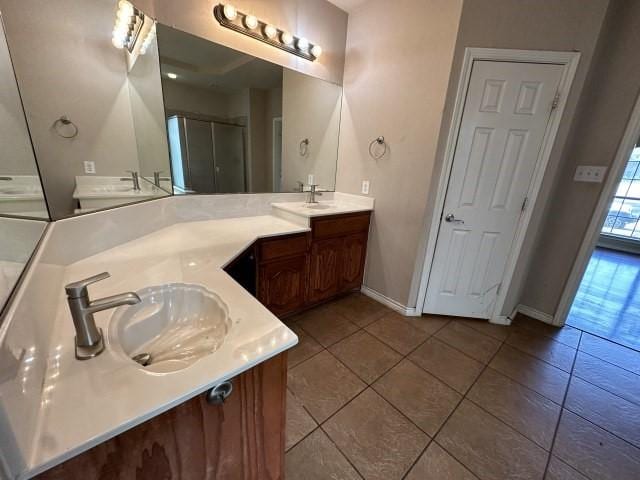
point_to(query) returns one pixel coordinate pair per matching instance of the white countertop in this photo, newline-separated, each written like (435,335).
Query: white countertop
(86,403)
(341,203)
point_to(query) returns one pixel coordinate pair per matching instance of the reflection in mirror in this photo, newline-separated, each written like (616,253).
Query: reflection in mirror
(20,188)
(237,123)
(111,144)
(18,240)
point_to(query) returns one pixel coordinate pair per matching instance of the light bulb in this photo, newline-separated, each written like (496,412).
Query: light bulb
(302,44)
(270,31)
(250,22)
(172,76)
(117,42)
(230,12)
(125,8)
(316,51)
(286,38)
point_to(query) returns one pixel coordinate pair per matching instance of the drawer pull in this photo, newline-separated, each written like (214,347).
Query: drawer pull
(218,394)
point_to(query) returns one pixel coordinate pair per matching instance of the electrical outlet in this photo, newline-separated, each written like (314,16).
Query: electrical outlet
(310,179)
(589,173)
(365,187)
(89,167)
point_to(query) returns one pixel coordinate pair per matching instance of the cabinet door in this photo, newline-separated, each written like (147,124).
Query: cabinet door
(354,253)
(281,284)
(242,439)
(324,280)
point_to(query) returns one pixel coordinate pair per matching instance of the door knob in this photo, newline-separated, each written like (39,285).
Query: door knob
(452,219)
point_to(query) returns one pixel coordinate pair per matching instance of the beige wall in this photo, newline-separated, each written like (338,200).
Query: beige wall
(397,67)
(612,87)
(16,157)
(311,109)
(317,20)
(569,25)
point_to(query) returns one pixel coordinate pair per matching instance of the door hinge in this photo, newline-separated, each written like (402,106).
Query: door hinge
(555,102)
(524,204)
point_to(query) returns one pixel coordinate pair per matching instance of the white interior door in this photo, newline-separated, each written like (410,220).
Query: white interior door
(506,113)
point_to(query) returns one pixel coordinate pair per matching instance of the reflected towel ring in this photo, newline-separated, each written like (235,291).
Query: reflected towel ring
(378,141)
(304,147)
(64,120)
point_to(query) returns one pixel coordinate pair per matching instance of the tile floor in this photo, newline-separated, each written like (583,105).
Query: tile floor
(375,395)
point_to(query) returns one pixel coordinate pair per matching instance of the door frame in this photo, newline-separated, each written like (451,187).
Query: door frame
(569,61)
(276,182)
(588,245)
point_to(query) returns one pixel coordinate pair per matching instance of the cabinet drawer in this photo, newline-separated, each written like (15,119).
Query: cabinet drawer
(341,225)
(282,247)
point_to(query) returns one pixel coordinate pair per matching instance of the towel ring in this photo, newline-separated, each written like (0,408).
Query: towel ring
(64,120)
(378,141)
(304,147)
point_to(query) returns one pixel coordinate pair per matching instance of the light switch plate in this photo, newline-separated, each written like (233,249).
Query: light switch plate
(310,179)
(589,173)
(365,187)
(89,167)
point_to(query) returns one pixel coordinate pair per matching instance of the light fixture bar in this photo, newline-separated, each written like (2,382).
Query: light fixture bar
(248,24)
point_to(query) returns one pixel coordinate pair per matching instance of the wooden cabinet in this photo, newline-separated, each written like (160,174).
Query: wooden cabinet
(282,284)
(324,278)
(242,439)
(294,272)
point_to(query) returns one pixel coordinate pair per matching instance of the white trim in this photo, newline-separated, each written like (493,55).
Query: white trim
(616,171)
(389,302)
(276,183)
(533,313)
(570,62)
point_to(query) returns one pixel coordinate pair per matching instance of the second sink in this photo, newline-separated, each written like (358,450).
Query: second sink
(173,327)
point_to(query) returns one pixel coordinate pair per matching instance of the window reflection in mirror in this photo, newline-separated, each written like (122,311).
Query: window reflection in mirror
(237,123)
(77,72)
(20,187)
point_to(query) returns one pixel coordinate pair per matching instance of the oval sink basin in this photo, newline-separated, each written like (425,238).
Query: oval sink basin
(173,327)
(319,206)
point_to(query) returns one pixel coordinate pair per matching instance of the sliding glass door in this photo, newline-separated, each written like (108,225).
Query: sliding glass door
(623,219)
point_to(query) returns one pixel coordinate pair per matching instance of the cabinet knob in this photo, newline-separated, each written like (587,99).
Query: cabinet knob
(218,394)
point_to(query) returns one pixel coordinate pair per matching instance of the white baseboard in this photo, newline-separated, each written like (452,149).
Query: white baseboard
(389,302)
(533,313)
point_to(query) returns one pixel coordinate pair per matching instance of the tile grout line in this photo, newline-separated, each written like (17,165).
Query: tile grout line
(564,400)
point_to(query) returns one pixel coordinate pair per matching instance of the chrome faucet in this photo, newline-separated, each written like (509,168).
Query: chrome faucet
(313,193)
(157,179)
(89,339)
(135,178)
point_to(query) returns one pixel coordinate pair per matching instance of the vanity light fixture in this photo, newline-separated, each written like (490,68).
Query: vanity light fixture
(230,17)
(130,24)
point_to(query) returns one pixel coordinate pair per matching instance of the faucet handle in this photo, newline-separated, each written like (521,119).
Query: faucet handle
(79,289)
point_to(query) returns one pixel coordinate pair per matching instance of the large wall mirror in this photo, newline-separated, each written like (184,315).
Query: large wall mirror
(237,123)
(95,111)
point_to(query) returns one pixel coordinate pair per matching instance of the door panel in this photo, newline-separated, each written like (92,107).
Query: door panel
(229,158)
(506,113)
(199,146)
(354,252)
(325,274)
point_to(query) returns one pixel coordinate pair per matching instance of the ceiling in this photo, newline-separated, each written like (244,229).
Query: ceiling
(348,5)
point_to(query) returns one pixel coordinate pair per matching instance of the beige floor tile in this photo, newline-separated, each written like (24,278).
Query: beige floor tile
(531,372)
(611,352)
(448,364)
(558,470)
(594,452)
(437,464)
(306,348)
(606,375)
(568,335)
(397,332)
(528,412)
(317,458)
(367,356)
(323,385)
(556,353)
(499,332)
(299,422)
(361,309)
(326,325)
(379,441)
(420,396)
(488,447)
(470,341)
(429,324)
(614,414)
